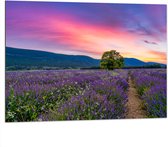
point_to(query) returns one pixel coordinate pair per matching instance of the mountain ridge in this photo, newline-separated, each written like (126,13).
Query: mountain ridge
(16,57)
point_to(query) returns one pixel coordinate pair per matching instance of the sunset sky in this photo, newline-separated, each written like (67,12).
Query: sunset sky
(137,31)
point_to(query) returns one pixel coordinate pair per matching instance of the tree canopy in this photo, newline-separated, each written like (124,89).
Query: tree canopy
(111,60)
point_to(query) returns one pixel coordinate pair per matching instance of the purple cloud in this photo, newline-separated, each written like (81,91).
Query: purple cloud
(150,42)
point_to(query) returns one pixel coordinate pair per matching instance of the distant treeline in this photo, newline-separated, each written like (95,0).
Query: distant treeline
(148,66)
(12,68)
(133,67)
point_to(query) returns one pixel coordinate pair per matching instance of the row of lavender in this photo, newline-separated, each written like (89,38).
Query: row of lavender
(65,95)
(151,86)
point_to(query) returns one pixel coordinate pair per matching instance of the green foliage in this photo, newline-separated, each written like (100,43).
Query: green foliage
(111,60)
(28,107)
(21,108)
(141,89)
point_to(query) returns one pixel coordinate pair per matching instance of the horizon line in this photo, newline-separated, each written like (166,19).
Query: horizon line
(74,54)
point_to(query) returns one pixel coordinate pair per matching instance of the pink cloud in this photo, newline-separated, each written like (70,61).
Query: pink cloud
(82,38)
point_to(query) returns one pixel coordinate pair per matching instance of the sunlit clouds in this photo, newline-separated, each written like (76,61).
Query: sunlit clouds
(137,31)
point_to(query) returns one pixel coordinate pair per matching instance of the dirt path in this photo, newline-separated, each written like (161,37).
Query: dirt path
(134,103)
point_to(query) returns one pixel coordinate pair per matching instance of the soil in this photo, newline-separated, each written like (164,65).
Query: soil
(134,104)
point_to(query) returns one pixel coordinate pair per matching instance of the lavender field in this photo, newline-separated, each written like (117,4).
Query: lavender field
(82,94)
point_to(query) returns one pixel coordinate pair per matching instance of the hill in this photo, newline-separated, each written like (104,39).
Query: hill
(32,59)
(133,62)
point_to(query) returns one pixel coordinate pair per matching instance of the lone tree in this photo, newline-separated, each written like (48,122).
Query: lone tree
(111,60)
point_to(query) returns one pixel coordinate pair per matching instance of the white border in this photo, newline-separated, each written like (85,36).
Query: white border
(131,133)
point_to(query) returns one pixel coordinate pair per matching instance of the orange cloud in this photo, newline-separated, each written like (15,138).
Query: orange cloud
(157,56)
